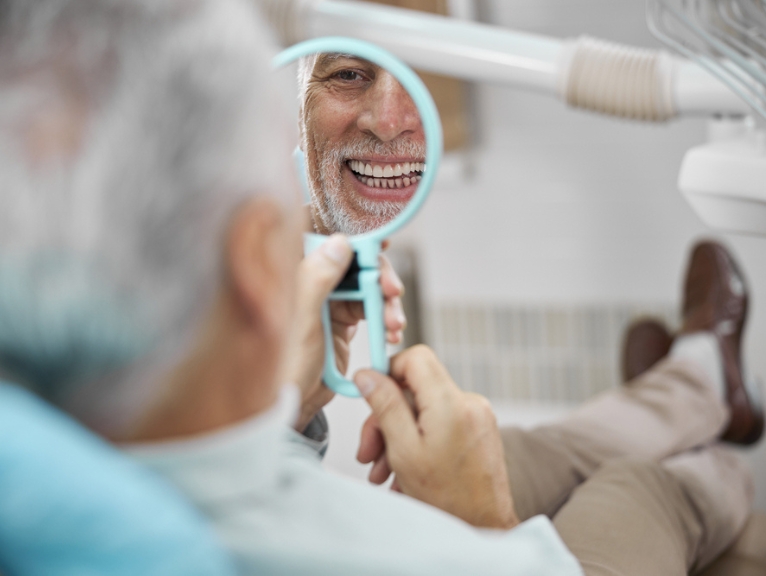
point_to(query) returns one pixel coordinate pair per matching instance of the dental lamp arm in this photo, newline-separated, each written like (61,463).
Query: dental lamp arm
(584,72)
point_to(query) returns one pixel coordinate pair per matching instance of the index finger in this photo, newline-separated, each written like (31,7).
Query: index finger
(419,370)
(389,405)
(390,282)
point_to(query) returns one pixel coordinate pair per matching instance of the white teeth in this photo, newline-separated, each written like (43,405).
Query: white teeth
(387,176)
(387,170)
(391,183)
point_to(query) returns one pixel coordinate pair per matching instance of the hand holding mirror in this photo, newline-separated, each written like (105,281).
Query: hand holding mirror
(372,142)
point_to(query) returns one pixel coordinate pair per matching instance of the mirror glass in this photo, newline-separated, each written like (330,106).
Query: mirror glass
(363,143)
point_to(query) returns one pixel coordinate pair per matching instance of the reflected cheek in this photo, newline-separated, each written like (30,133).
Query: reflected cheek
(329,122)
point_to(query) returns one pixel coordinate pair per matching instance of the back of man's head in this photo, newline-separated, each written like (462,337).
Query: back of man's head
(130,130)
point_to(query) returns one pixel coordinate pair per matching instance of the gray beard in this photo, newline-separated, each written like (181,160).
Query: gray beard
(340,214)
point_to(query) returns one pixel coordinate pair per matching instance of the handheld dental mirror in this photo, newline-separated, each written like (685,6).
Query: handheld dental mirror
(372,142)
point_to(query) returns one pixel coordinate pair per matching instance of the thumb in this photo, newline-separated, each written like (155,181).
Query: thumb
(322,270)
(390,407)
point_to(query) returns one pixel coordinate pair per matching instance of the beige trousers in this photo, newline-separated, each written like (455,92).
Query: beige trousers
(633,480)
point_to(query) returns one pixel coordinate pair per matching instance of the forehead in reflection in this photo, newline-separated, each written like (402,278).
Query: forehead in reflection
(364,144)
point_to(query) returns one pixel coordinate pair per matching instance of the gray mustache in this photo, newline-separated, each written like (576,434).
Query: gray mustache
(374,147)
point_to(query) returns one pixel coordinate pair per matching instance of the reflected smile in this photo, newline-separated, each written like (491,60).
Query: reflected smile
(391,175)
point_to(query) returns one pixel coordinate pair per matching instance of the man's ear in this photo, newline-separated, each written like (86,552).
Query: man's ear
(258,269)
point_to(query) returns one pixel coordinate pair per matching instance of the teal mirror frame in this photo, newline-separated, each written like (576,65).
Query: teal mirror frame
(368,245)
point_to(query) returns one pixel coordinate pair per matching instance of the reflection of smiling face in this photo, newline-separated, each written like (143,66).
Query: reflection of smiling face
(364,144)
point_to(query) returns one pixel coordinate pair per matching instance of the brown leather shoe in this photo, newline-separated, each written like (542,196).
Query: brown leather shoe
(646,342)
(715,300)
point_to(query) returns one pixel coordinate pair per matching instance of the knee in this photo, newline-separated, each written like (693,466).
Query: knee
(630,468)
(630,508)
(635,477)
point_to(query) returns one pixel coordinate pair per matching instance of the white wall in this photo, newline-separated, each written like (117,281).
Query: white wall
(567,207)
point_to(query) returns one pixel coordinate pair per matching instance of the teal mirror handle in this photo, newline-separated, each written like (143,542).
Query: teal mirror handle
(371,295)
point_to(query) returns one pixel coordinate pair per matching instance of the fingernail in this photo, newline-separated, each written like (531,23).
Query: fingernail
(337,248)
(365,383)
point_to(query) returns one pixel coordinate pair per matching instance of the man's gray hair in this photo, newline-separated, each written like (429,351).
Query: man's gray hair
(305,70)
(112,221)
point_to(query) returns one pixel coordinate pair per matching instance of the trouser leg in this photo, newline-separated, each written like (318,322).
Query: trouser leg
(720,488)
(667,410)
(637,517)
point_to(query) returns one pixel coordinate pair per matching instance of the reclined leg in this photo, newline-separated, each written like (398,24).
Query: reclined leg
(639,517)
(668,410)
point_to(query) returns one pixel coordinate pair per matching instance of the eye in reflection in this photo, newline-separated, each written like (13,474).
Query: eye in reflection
(364,146)
(349,75)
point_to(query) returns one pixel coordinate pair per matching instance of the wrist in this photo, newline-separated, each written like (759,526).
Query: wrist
(305,418)
(317,434)
(510,521)
(497,517)
(311,405)
(499,522)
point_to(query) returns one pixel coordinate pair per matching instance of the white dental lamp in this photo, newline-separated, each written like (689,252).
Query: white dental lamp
(720,73)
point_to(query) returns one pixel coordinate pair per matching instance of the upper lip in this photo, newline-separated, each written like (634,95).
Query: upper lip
(387,160)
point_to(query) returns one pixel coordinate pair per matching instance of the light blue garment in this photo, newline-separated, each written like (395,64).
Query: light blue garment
(282,514)
(71,505)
